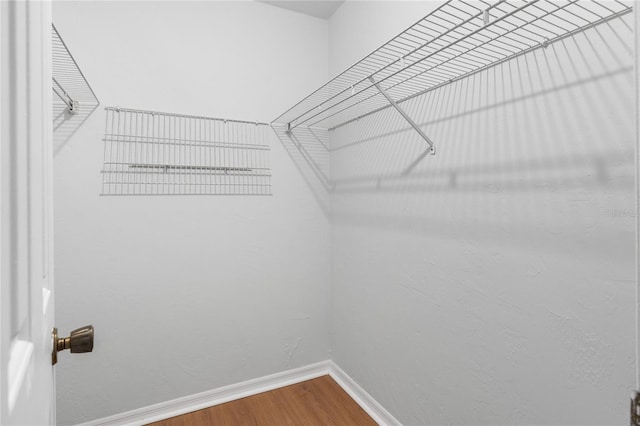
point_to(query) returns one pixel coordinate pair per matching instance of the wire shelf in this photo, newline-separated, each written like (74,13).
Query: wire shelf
(69,83)
(458,39)
(156,153)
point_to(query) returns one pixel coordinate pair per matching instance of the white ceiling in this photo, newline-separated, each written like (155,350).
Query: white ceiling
(319,8)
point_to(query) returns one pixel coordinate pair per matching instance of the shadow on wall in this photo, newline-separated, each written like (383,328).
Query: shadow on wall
(545,139)
(309,150)
(65,124)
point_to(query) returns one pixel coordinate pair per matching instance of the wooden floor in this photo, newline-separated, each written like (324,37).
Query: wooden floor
(315,402)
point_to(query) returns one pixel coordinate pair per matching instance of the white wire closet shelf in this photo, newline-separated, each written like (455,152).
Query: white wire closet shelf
(159,153)
(69,83)
(456,40)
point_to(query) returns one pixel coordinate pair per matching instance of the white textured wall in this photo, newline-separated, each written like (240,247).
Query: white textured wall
(495,283)
(187,293)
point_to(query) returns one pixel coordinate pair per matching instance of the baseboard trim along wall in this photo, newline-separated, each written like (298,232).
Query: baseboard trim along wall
(187,404)
(359,395)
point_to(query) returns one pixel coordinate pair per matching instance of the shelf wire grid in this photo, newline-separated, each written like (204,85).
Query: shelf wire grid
(456,40)
(69,83)
(156,153)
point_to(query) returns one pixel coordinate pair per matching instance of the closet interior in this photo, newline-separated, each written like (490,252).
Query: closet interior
(448,222)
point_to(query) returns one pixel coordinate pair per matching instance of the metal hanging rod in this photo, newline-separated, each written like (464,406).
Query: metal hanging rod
(456,40)
(167,167)
(159,140)
(68,81)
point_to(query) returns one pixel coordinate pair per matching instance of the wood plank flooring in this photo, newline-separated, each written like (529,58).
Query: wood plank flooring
(316,402)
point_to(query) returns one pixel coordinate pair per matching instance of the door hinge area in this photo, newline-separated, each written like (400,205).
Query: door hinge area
(635,409)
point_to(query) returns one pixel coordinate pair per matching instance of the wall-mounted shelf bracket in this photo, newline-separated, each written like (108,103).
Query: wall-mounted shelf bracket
(432,147)
(72,105)
(486,17)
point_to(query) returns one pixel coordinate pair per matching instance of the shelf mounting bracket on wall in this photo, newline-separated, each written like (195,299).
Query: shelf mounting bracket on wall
(432,147)
(72,106)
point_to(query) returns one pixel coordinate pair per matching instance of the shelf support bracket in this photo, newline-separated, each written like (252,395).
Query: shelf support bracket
(432,147)
(72,105)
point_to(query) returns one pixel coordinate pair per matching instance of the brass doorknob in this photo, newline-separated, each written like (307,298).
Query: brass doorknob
(80,340)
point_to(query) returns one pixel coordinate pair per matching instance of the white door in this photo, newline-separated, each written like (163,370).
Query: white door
(26,273)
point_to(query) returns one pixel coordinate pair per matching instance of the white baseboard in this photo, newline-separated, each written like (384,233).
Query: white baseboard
(187,404)
(359,395)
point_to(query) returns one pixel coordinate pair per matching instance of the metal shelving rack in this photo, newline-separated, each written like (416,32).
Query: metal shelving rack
(69,83)
(456,40)
(159,153)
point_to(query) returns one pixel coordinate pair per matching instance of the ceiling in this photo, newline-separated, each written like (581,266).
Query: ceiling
(319,8)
